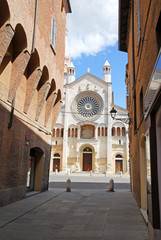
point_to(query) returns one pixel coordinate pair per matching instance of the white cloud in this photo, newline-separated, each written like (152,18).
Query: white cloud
(92,26)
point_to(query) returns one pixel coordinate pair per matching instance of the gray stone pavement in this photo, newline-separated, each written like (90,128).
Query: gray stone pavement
(83,213)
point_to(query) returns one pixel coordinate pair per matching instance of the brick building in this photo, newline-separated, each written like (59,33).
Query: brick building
(140,36)
(32,48)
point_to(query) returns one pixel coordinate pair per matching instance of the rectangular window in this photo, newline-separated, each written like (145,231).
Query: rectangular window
(53,33)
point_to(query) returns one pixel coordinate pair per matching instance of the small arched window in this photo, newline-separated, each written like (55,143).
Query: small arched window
(72,132)
(56,155)
(57,132)
(99,131)
(106,131)
(87,149)
(102,131)
(68,132)
(118,156)
(62,132)
(123,131)
(118,131)
(76,130)
(113,131)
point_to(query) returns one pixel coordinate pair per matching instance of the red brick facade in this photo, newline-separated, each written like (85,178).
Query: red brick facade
(31,83)
(140,36)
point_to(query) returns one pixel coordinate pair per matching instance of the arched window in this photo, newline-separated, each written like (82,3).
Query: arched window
(102,131)
(57,132)
(118,131)
(87,149)
(76,130)
(68,132)
(113,131)
(56,155)
(99,131)
(72,132)
(123,131)
(62,132)
(106,131)
(118,156)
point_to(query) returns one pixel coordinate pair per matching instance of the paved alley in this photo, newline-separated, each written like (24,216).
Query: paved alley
(83,213)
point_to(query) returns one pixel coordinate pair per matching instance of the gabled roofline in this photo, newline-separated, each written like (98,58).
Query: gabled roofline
(88,74)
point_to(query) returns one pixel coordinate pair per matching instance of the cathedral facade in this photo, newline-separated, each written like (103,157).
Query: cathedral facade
(85,137)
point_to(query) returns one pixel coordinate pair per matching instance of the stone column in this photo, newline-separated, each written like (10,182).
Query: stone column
(78,136)
(96,132)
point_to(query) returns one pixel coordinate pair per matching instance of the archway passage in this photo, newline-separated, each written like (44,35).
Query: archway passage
(118,163)
(87,159)
(34,173)
(56,162)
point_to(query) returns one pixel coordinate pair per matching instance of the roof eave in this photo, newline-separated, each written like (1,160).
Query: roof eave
(123,24)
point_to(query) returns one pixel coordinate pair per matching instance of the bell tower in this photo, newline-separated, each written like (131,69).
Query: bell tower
(70,73)
(107,72)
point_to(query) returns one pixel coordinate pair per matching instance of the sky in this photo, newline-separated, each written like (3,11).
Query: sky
(92,38)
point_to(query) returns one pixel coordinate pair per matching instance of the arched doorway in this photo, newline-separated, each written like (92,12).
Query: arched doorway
(35,167)
(56,162)
(118,163)
(87,159)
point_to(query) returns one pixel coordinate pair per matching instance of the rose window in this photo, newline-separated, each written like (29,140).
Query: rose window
(87,105)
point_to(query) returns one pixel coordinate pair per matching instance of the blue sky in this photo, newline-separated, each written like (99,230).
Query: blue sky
(93,38)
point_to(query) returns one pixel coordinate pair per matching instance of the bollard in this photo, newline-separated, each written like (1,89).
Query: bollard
(120,173)
(68,185)
(111,186)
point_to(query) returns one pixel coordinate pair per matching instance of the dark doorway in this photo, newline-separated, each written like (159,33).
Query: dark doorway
(56,164)
(87,161)
(34,173)
(118,166)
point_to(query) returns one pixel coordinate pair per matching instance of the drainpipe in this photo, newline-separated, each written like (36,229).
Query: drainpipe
(34,30)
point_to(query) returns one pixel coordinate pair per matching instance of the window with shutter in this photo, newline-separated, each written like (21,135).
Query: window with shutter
(53,33)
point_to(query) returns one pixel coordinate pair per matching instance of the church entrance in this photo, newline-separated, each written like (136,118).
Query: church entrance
(56,162)
(87,159)
(118,163)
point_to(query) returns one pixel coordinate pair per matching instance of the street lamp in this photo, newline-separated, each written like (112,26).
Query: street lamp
(124,120)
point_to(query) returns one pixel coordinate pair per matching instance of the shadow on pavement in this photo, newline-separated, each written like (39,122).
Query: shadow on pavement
(87,185)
